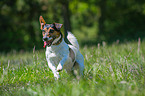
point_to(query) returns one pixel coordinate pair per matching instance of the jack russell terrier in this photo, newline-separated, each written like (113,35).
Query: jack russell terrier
(59,54)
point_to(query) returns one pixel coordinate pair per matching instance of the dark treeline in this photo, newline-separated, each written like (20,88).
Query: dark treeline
(113,19)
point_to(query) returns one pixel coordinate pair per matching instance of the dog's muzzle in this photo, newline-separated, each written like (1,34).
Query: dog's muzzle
(47,41)
(45,38)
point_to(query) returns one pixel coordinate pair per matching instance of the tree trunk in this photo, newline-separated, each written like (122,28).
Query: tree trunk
(66,17)
(102,5)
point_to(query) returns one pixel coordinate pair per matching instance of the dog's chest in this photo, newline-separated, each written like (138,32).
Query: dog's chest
(56,53)
(54,56)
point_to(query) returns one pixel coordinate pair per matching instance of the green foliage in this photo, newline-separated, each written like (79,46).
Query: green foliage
(109,20)
(126,21)
(109,70)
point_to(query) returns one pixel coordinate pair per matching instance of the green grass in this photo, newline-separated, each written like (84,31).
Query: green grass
(110,70)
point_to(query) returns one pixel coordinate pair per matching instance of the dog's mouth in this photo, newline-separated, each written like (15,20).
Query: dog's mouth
(48,43)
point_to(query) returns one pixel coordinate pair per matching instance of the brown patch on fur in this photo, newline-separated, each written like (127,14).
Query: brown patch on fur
(42,22)
(58,26)
(48,33)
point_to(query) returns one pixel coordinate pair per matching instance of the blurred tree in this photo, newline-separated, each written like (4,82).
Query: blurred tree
(101,21)
(124,20)
(17,24)
(66,17)
(115,19)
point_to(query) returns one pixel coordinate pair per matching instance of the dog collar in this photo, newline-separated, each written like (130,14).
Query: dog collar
(59,40)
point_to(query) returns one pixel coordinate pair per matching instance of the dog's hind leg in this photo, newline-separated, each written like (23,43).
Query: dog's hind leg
(79,64)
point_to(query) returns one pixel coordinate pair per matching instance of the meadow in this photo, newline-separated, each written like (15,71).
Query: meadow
(110,70)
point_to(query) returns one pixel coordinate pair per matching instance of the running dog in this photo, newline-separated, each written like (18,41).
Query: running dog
(59,54)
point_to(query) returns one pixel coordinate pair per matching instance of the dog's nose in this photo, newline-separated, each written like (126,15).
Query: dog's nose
(44,38)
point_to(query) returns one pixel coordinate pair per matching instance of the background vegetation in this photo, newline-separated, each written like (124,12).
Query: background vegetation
(108,30)
(91,21)
(117,70)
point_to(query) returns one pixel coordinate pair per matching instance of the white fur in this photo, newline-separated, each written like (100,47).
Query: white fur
(72,40)
(58,56)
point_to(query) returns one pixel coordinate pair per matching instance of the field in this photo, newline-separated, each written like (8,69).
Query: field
(110,70)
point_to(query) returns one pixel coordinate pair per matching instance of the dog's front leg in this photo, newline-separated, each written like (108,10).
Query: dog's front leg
(53,68)
(61,63)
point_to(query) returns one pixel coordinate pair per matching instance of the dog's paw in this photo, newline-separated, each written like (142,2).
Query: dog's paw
(59,68)
(56,76)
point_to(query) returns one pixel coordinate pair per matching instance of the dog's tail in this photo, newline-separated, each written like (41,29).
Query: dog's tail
(72,39)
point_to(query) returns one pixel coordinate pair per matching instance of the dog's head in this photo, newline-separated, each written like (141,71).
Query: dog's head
(51,32)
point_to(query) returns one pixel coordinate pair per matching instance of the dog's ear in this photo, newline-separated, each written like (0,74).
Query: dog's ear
(58,26)
(42,22)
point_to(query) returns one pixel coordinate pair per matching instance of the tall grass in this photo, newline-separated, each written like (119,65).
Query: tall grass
(110,70)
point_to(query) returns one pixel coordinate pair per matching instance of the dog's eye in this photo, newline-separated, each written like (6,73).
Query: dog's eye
(51,31)
(43,32)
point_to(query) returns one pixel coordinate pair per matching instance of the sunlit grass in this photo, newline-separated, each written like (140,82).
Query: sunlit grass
(109,70)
